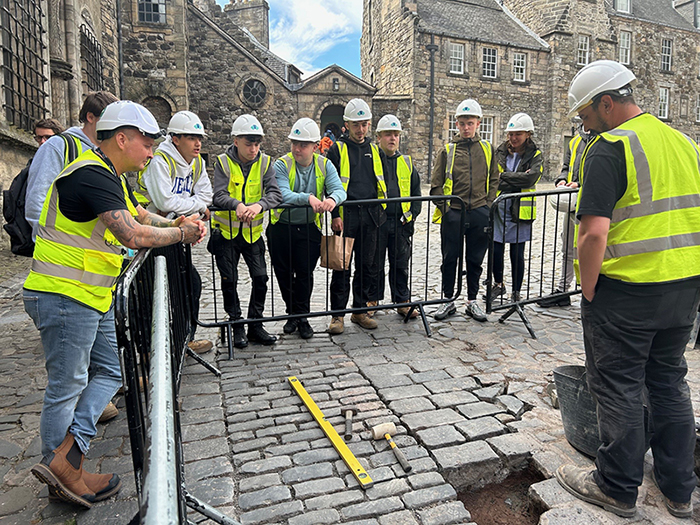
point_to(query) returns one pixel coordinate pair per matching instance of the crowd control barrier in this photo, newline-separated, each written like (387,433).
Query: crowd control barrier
(154,324)
(424,282)
(545,262)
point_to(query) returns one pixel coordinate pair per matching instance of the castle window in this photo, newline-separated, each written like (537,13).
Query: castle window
(91,60)
(152,11)
(489,61)
(697,108)
(664,95)
(583,51)
(456,58)
(623,6)
(666,54)
(519,67)
(625,47)
(254,92)
(22,62)
(452,126)
(486,129)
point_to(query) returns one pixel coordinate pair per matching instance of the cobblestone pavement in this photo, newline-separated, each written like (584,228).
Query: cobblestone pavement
(469,403)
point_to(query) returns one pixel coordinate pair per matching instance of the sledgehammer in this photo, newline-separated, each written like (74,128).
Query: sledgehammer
(386,430)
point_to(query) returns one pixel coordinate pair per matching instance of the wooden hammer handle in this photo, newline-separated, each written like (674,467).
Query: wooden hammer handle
(399,455)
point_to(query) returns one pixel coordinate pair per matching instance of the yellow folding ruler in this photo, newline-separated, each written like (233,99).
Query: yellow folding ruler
(362,477)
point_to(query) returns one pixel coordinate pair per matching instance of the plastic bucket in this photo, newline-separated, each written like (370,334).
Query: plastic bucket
(578,410)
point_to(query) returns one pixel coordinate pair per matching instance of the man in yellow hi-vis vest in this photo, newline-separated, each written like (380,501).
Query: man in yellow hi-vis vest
(244,183)
(89,216)
(638,260)
(466,167)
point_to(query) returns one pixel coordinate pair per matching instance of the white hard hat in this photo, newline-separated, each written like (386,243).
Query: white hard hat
(520,122)
(186,123)
(563,202)
(601,76)
(247,125)
(469,108)
(127,113)
(305,130)
(356,111)
(389,123)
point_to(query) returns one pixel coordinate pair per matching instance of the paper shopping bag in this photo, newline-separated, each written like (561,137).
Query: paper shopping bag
(336,251)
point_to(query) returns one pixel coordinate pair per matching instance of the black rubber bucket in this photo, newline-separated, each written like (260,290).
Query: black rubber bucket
(578,410)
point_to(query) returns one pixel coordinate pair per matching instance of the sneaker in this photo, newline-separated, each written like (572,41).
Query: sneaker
(290,326)
(445,310)
(679,510)
(305,330)
(201,346)
(239,338)
(497,290)
(549,301)
(110,412)
(337,326)
(257,334)
(371,313)
(475,312)
(403,311)
(364,320)
(580,483)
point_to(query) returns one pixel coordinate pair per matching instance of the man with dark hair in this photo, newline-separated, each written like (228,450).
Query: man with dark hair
(46,128)
(53,156)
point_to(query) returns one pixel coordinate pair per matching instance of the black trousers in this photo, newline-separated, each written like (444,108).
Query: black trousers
(395,241)
(294,252)
(476,242)
(227,254)
(517,263)
(635,336)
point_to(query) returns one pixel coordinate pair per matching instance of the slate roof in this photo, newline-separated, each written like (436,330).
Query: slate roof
(657,11)
(481,20)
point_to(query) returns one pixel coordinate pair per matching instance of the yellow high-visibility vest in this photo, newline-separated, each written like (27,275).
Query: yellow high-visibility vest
(527,207)
(577,146)
(141,192)
(320,168)
(404,169)
(345,170)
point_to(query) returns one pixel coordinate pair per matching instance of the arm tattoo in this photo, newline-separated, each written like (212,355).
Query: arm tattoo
(156,221)
(134,235)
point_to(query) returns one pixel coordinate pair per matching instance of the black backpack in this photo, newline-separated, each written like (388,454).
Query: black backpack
(13,202)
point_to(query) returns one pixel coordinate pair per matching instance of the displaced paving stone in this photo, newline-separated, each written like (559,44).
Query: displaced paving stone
(425,479)
(548,494)
(481,428)
(514,449)
(424,497)
(445,514)
(299,474)
(512,404)
(403,392)
(259,482)
(490,393)
(369,509)
(266,496)
(316,517)
(421,420)
(451,399)
(468,464)
(408,406)
(265,465)
(442,436)
(480,409)
(273,512)
(318,487)
(451,385)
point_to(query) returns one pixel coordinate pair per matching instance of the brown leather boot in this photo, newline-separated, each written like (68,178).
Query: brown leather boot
(62,469)
(103,485)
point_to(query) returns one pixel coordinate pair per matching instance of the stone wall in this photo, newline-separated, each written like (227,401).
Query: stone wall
(254,15)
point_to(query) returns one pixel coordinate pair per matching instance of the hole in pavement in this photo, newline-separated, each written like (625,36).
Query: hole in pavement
(504,503)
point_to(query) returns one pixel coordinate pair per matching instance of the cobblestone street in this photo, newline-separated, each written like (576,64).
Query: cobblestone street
(470,404)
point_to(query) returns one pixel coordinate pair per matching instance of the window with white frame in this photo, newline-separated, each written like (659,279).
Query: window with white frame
(456,58)
(664,94)
(583,53)
(697,108)
(486,129)
(666,54)
(489,60)
(519,67)
(623,6)
(625,47)
(453,122)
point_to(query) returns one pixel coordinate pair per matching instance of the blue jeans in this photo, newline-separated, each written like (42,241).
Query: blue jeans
(75,338)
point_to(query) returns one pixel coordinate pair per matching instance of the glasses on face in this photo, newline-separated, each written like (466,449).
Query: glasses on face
(42,138)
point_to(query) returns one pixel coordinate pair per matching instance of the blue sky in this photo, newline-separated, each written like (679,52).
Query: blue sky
(313,34)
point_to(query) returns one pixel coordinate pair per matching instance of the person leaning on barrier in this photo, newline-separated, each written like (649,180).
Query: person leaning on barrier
(176,181)
(46,128)
(244,182)
(520,167)
(467,168)
(638,249)
(396,234)
(294,235)
(362,174)
(569,177)
(89,215)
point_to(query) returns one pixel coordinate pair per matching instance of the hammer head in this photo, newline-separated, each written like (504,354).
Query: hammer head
(351,408)
(378,431)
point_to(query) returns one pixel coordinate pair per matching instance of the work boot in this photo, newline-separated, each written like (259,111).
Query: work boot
(403,311)
(337,326)
(515,297)
(497,290)
(371,313)
(445,310)
(549,301)
(257,334)
(62,469)
(679,510)
(201,346)
(103,485)
(474,311)
(364,321)
(110,412)
(239,338)
(579,482)
(305,330)
(290,326)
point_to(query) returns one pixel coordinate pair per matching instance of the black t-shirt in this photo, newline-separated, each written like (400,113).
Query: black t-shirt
(90,191)
(604,179)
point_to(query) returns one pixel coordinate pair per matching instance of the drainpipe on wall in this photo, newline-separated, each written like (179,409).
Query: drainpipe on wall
(120,50)
(73,58)
(432,48)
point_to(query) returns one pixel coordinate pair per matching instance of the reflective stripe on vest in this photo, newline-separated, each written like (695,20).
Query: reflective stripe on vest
(527,206)
(81,260)
(451,149)
(654,234)
(320,170)
(404,169)
(577,146)
(376,164)
(227,221)
(141,192)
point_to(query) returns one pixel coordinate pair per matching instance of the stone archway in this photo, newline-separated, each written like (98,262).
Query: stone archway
(160,108)
(332,114)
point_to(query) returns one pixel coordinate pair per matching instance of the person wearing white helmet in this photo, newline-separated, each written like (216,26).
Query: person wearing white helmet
(305,179)
(466,167)
(638,248)
(176,181)
(68,293)
(520,167)
(362,175)
(245,187)
(396,234)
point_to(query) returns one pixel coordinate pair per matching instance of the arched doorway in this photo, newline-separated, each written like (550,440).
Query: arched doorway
(332,114)
(160,108)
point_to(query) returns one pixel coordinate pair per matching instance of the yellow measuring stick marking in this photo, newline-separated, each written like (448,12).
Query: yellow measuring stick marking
(362,477)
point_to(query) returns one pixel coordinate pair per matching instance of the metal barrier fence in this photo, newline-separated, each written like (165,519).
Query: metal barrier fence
(425,285)
(540,263)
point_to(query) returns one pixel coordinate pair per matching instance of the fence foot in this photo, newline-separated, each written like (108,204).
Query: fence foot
(204,363)
(519,309)
(207,510)
(428,331)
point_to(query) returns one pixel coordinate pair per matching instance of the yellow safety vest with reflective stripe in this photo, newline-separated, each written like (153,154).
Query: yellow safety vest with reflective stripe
(577,146)
(320,167)
(248,190)
(345,170)
(451,149)
(141,192)
(654,234)
(527,207)
(404,169)
(81,260)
